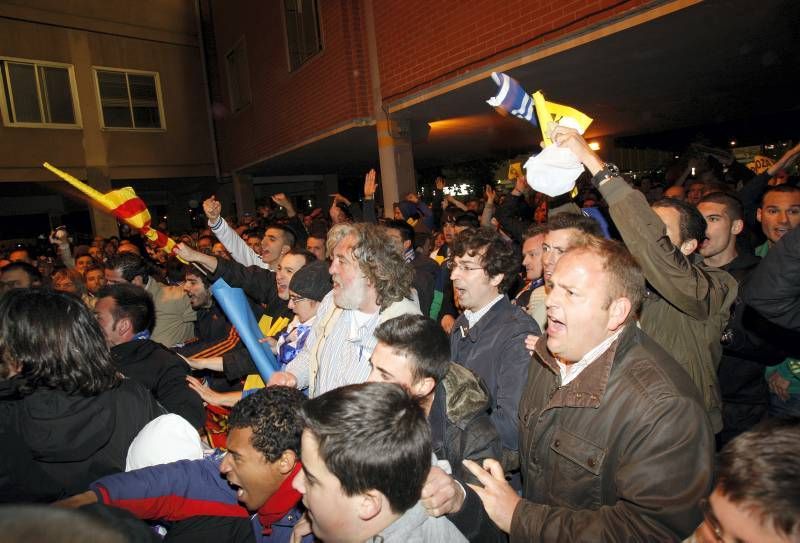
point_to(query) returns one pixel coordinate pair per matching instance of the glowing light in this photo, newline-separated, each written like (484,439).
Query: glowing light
(594,145)
(457,190)
(733,142)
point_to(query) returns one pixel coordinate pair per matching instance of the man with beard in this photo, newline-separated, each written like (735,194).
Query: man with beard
(371,284)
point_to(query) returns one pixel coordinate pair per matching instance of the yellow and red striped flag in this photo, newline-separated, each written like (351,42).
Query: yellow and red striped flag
(124,205)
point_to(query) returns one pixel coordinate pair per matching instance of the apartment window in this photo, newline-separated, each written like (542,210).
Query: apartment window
(238,76)
(38,94)
(303,35)
(129,99)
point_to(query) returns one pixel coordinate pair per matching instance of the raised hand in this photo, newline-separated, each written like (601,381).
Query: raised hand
(282,200)
(212,208)
(490,194)
(370,185)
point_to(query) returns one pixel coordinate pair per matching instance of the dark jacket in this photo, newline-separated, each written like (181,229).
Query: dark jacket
(460,428)
(76,439)
(426,271)
(259,285)
(163,373)
(688,304)
(214,334)
(750,343)
(621,453)
(495,350)
(774,287)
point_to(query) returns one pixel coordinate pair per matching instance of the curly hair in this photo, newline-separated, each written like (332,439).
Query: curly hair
(273,415)
(56,342)
(496,254)
(379,259)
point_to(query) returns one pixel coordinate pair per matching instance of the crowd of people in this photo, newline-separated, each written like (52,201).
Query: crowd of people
(619,363)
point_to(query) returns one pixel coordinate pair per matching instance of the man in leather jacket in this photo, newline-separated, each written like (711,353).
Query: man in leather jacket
(615,444)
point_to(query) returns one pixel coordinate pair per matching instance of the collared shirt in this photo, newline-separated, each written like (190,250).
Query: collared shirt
(344,356)
(474,316)
(570,371)
(409,254)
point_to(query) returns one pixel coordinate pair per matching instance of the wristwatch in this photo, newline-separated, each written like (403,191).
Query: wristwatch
(609,170)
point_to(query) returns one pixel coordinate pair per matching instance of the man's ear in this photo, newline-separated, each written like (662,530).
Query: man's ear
(287,462)
(370,505)
(688,246)
(737,226)
(285,249)
(423,387)
(138,281)
(497,279)
(618,312)
(758,214)
(123,326)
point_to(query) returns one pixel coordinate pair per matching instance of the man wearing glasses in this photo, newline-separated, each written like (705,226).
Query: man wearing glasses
(489,336)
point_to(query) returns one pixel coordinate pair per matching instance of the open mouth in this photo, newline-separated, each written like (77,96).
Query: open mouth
(555,326)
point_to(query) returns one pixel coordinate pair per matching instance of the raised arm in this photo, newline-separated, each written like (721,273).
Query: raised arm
(234,244)
(370,186)
(665,267)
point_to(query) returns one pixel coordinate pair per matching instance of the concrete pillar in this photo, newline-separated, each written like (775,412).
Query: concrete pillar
(243,194)
(103,223)
(394,138)
(397,162)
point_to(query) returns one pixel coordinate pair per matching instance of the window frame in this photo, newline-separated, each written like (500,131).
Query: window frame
(286,38)
(126,71)
(243,43)
(8,100)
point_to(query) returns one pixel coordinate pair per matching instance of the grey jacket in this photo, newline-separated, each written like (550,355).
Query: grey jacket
(415,526)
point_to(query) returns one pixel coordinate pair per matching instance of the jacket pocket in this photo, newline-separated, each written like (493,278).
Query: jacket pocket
(575,468)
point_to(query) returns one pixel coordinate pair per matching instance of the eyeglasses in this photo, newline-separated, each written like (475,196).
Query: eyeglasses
(453,265)
(711,520)
(294,298)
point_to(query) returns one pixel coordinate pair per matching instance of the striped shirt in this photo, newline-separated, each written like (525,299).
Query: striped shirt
(344,356)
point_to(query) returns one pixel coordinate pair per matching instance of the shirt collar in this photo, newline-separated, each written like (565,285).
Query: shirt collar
(587,391)
(570,371)
(474,316)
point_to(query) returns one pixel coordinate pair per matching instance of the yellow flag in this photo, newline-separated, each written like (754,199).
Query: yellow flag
(550,112)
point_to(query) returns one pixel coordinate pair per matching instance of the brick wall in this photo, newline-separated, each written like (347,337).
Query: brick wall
(421,43)
(289,107)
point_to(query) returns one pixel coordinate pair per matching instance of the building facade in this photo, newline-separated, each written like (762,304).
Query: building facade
(113,92)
